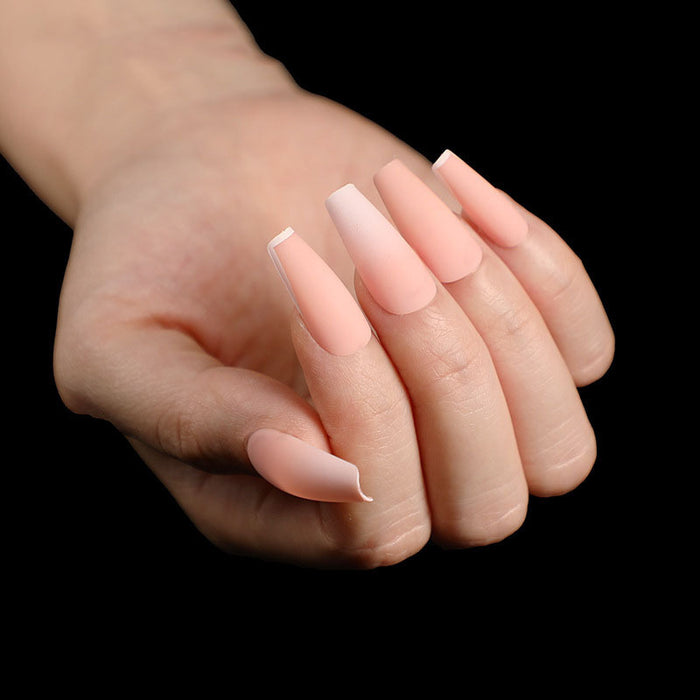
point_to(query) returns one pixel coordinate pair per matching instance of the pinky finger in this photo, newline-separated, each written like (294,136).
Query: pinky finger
(553,276)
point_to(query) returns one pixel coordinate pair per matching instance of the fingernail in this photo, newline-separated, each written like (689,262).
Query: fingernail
(327,307)
(488,208)
(393,272)
(302,470)
(427,223)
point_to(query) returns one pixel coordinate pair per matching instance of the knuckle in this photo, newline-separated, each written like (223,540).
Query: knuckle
(488,519)
(454,360)
(517,320)
(566,287)
(351,545)
(567,464)
(564,280)
(379,408)
(177,430)
(460,381)
(599,357)
(512,320)
(516,325)
(356,406)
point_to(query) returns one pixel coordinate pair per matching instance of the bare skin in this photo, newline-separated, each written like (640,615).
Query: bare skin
(174,327)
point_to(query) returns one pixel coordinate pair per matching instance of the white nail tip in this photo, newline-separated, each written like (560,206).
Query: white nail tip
(442,159)
(277,240)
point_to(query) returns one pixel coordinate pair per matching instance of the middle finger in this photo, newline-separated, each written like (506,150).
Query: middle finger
(474,478)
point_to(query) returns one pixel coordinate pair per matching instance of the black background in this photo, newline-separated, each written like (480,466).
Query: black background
(546,106)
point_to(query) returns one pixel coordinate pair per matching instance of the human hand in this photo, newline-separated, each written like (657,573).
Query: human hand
(173,327)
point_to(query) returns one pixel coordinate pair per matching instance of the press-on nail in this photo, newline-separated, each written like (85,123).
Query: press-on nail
(443,240)
(327,307)
(394,274)
(302,470)
(484,205)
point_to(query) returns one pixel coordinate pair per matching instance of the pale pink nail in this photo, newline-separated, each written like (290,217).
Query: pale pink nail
(327,307)
(443,240)
(393,272)
(484,205)
(302,470)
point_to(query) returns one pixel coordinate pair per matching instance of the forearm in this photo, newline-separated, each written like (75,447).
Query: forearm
(80,81)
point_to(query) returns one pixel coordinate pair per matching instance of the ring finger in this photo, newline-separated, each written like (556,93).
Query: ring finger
(556,441)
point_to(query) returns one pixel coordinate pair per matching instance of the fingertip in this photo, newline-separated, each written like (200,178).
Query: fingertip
(300,469)
(444,241)
(490,209)
(327,307)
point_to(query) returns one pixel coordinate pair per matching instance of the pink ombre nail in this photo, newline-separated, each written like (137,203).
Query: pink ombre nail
(394,274)
(302,470)
(485,206)
(443,240)
(329,311)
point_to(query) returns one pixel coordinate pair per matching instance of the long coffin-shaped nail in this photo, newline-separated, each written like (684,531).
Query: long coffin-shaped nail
(484,205)
(327,307)
(443,240)
(302,470)
(394,274)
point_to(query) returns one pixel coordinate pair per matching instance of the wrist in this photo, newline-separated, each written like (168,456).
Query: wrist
(85,86)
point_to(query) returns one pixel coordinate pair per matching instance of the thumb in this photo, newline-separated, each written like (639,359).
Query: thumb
(164,392)
(191,419)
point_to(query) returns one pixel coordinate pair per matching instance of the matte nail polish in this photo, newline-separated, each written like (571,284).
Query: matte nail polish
(394,274)
(327,307)
(441,238)
(302,470)
(484,205)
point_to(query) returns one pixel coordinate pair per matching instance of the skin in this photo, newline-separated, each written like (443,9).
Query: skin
(174,327)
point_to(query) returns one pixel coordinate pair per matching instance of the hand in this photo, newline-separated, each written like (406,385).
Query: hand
(174,326)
